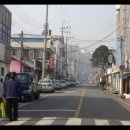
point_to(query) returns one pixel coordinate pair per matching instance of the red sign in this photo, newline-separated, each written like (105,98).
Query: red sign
(50,65)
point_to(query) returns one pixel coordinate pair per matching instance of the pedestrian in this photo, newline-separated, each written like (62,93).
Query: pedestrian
(11,93)
(103,83)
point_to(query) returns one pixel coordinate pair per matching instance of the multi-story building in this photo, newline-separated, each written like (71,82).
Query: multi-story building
(122,48)
(58,59)
(73,61)
(5,34)
(33,50)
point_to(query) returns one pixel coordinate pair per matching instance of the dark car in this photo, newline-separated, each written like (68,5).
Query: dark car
(73,82)
(29,88)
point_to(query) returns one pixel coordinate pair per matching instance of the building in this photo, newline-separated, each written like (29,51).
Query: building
(72,61)
(33,50)
(5,34)
(123,48)
(57,42)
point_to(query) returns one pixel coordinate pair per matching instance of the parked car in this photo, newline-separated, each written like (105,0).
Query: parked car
(67,82)
(72,82)
(46,85)
(29,89)
(57,84)
(77,82)
(63,83)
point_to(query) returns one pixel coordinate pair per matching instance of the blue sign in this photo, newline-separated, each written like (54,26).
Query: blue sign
(122,67)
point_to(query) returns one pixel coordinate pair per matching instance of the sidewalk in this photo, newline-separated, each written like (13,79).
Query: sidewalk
(127,101)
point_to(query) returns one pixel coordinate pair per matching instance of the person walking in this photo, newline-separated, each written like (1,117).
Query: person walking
(11,93)
(103,83)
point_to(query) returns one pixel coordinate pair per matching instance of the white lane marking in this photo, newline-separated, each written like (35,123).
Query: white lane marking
(125,122)
(48,110)
(101,122)
(73,121)
(46,121)
(32,101)
(19,122)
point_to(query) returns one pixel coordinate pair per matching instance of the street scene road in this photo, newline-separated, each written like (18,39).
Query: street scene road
(81,105)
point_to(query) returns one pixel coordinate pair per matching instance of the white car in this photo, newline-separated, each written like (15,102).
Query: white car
(46,86)
(57,84)
(63,83)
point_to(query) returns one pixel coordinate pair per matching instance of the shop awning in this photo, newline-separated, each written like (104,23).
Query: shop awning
(126,73)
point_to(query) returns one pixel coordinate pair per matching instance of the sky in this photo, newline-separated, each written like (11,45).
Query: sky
(86,24)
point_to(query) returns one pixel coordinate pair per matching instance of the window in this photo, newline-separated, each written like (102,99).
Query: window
(0,30)
(0,13)
(31,54)
(23,78)
(39,54)
(2,71)
(26,53)
(4,11)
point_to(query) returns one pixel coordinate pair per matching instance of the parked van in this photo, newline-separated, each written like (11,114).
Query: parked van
(29,89)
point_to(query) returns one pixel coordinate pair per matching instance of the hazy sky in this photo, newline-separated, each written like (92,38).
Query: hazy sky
(88,22)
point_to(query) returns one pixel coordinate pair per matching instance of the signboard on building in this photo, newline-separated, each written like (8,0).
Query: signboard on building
(118,52)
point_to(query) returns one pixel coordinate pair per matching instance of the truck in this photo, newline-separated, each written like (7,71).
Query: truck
(29,88)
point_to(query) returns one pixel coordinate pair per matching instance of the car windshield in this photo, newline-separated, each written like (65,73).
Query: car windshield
(56,81)
(45,81)
(23,78)
(62,81)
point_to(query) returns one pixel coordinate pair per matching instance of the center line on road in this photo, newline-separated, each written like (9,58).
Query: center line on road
(79,105)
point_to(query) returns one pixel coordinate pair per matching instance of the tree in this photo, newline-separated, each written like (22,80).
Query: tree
(100,56)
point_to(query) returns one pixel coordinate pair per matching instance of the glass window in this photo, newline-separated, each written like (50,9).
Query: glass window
(23,78)
(26,53)
(6,18)
(2,71)
(3,15)
(0,30)
(39,54)
(0,13)
(31,54)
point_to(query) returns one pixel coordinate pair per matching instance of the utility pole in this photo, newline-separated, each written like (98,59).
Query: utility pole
(62,31)
(66,58)
(21,58)
(77,67)
(45,44)
(121,47)
(70,60)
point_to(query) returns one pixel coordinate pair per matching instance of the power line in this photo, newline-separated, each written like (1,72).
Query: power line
(30,23)
(107,35)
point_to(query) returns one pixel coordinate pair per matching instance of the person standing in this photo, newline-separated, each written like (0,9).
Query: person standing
(11,93)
